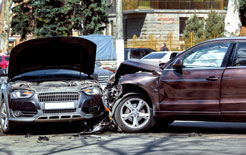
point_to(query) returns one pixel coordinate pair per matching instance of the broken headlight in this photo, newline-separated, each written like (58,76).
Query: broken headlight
(21,94)
(92,91)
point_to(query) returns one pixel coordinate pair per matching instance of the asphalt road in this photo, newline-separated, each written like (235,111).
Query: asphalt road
(178,138)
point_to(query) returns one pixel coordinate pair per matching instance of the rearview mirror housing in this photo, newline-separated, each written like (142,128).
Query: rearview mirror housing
(178,64)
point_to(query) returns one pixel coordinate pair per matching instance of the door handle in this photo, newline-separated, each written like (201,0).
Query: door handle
(212,78)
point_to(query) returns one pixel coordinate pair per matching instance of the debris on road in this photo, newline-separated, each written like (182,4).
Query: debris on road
(43,138)
(193,134)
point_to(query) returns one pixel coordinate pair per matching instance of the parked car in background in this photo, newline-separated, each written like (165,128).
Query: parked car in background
(136,53)
(46,84)
(206,82)
(4,61)
(160,57)
(102,75)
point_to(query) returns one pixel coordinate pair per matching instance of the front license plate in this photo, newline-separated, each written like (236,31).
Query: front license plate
(59,105)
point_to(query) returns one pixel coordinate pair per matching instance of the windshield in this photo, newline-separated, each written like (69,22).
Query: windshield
(155,56)
(47,74)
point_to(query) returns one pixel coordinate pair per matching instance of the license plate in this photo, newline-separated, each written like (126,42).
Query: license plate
(59,105)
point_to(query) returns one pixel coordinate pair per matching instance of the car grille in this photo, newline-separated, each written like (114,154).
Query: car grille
(59,111)
(27,113)
(103,80)
(58,96)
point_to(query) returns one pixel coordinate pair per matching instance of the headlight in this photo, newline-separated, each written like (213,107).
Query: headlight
(92,91)
(21,94)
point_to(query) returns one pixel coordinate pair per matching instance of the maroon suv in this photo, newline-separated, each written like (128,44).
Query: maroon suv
(205,82)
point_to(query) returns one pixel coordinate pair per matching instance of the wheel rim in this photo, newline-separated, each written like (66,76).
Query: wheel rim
(3,117)
(135,113)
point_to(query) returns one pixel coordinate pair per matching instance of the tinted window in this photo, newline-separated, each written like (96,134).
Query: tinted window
(240,59)
(1,59)
(6,58)
(173,55)
(135,54)
(210,55)
(155,56)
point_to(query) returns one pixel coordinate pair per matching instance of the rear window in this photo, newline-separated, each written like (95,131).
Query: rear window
(155,56)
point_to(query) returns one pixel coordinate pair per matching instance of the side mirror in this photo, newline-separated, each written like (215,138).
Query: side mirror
(178,64)
(161,65)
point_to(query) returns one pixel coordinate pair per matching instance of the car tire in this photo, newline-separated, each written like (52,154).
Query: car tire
(4,121)
(134,114)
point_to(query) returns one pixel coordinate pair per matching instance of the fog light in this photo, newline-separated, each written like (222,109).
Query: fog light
(17,113)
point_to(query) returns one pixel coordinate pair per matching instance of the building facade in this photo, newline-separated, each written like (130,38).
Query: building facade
(153,22)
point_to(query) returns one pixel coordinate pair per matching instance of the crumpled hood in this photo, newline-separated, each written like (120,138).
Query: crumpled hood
(133,66)
(53,53)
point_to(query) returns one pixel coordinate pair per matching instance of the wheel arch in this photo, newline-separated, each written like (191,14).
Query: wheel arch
(130,90)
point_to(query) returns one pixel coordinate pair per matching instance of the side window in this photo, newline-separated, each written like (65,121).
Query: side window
(1,59)
(205,56)
(240,58)
(173,55)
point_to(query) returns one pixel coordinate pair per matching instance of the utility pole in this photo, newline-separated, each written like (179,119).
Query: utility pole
(119,33)
(7,13)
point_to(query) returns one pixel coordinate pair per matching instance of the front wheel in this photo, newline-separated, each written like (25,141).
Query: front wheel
(133,114)
(4,121)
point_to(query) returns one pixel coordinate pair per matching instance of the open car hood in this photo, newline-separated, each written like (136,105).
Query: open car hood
(72,53)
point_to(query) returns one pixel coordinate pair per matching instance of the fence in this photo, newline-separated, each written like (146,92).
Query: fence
(153,42)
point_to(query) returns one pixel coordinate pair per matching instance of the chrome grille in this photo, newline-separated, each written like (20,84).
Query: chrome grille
(59,111)
(58,96)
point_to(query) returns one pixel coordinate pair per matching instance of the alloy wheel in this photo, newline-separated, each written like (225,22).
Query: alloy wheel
(3,117)
(135,113)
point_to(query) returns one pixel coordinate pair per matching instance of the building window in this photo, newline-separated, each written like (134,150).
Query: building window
(182,24)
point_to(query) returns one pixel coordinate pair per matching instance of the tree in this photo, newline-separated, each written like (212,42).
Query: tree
(45,18)
(243,12)
(195,26)
(6,25)
(215,24)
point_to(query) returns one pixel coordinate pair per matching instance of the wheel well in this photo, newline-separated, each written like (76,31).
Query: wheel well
(127,88)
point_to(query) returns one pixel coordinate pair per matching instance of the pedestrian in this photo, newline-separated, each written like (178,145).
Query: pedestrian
(164,47)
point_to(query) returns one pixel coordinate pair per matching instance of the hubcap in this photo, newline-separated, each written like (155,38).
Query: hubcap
(3,117)
(135,113)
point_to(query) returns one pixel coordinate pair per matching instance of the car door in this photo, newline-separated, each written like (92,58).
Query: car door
(233,88)
(194,89)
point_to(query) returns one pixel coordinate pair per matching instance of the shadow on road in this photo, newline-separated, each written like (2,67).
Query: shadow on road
(202,127)
(175,128)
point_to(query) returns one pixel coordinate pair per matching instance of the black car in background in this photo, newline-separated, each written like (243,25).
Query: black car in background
(50,80)
(136,53)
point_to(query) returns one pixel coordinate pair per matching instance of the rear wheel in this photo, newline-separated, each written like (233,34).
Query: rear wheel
(133,114)
(4,121)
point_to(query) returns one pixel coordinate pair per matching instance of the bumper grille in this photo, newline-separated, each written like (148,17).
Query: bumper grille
(58,96)
(59,111)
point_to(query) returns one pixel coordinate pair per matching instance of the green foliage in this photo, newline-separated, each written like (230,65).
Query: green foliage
(195,26)
(45,18)
(203,29)
(215,25)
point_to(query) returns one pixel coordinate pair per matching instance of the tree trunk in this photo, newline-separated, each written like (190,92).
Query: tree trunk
(232,20)
(6,25)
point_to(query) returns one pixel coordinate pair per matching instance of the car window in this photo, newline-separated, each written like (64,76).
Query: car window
(6,58)
(1,59)
(240,59)
(155,56)
(135,54)
(173,55)
(210,55)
